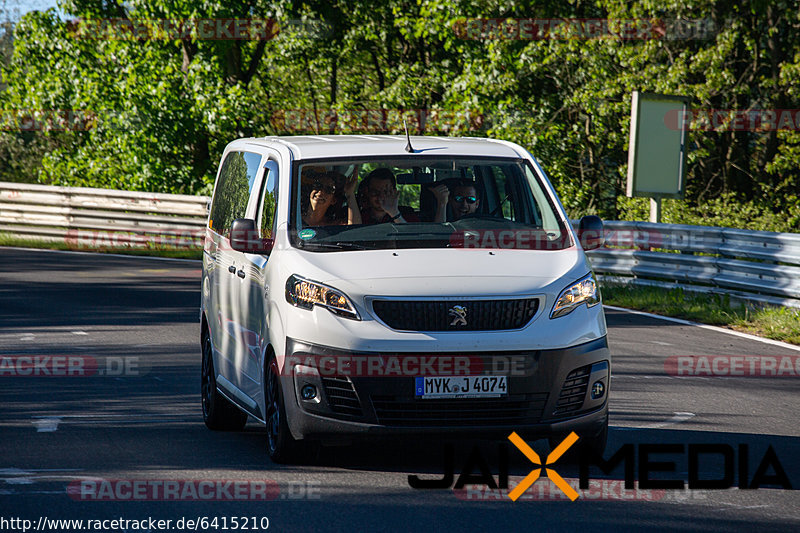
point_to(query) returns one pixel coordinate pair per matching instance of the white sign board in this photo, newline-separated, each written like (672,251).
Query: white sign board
(657,150)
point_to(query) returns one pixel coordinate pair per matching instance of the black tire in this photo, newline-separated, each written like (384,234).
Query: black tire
(219,414)
(282,447)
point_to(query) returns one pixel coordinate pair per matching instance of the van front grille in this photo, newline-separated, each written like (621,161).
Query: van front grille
(573,391)
(342,398)
(444,315)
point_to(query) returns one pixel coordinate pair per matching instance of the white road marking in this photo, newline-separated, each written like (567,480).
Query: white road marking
(16,476)
(47,424)
(79,333)
(17,471)
(626,376)
(12,472)
(50,423)
(631,376)
(677,419)
(26,493)
(18,481)
(706,326)
(733,506)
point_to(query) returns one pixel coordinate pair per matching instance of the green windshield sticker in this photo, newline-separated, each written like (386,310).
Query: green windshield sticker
(306,234)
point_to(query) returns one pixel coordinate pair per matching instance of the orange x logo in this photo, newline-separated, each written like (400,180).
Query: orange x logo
(554,456)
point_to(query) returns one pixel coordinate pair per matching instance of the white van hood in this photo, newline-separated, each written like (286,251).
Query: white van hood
(443,272)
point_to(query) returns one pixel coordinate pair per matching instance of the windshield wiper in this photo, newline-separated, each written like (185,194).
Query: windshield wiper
(335,245)
(418,234)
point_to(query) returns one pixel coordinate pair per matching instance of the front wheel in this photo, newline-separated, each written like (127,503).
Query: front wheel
(280,443)
(282,446)
(219,414)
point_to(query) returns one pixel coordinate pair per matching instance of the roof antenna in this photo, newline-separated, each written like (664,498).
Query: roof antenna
(409,148)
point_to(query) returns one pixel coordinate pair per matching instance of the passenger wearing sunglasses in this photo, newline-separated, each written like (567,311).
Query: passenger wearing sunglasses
(322,195)
(463,200)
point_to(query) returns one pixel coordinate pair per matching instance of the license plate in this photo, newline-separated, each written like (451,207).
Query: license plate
(430,387)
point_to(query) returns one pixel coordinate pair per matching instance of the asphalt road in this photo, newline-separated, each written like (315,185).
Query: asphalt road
(80,446)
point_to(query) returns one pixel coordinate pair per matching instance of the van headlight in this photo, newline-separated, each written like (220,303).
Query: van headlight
(580,292)
(306,294)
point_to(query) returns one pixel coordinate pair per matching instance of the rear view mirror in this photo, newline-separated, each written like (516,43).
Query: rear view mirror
(244,237)
(590,232)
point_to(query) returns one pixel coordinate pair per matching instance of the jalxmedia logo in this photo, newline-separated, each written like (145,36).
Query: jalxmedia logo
(554,456)
(650,466)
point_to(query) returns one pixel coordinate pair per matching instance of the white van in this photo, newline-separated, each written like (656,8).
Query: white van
(447,293)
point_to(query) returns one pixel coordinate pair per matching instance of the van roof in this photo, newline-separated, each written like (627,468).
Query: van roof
(327,146)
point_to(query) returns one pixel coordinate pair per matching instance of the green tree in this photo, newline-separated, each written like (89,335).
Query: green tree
(166,108)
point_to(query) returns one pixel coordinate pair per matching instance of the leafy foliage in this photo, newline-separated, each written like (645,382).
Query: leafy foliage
(166,108)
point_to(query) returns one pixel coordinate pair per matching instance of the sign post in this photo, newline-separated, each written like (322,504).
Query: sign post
(657,149)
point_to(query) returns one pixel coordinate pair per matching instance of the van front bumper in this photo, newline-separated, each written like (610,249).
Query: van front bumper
(549,392)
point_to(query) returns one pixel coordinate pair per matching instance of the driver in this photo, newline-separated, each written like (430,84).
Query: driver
(379,199)
(463,199)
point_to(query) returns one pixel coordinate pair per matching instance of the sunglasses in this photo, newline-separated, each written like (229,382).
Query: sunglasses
(319,186)
(469,199)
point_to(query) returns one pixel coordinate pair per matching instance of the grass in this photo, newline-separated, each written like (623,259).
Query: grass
(177,253)
(779,323)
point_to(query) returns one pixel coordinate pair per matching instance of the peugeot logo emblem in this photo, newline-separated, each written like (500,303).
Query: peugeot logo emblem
(458,314)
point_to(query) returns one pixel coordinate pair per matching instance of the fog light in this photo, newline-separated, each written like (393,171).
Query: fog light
(308,392)
(598,389)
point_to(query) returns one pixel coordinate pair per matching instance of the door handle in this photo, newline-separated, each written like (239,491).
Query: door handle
(232,269)
(240,274)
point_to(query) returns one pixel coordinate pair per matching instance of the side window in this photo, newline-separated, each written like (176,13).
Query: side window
(545,217)
(269,199)
(235,182)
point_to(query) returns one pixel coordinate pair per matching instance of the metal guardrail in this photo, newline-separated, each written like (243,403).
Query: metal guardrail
(752,265)
(88,218)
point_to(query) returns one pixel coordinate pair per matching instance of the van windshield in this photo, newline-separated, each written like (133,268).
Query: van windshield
(422,202)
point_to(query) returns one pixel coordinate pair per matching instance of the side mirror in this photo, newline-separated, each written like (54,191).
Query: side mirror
(244,237)
(590,232)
